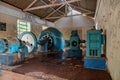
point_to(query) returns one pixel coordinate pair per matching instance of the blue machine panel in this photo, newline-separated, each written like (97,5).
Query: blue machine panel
(94,40)
(95,63)
(13,47)
(6,59)
(11,59)
(2,45)
(93,59)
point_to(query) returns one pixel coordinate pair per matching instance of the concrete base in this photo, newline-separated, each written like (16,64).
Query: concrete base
(95,63)
(72,53)
(10,59)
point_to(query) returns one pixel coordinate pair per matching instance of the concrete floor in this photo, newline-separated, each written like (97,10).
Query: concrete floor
(7,75)
(53,69)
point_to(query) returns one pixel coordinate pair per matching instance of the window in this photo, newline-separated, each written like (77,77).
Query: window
(22,26)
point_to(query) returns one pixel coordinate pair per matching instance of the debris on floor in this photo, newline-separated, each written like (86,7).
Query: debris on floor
(43,76)
(51,70)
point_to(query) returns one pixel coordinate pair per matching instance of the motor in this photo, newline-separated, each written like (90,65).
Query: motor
(74,44)
(18,48)
(51,41)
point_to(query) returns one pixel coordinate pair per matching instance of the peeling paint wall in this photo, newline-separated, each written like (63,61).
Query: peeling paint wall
(108,18)
(11,26)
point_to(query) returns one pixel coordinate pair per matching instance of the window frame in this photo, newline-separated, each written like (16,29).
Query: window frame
(23,26)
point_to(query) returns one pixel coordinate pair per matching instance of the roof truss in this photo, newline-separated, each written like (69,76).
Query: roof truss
(65,3)
(29,8)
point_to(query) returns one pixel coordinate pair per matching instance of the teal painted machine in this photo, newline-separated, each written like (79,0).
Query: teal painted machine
(25,44)
(9,47)
(93,59)
(94,41)
(51,41)
(74,44)
(29,41)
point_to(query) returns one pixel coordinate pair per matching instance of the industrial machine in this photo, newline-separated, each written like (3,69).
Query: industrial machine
(51,41)
(29,40)
(94,42)
(25,44)
(74,44)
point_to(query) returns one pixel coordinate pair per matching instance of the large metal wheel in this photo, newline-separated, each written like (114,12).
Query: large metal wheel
(30,41)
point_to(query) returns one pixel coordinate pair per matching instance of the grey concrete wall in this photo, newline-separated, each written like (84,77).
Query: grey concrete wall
(108,18)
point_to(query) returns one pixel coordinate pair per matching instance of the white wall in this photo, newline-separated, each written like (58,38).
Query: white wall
(80,23)
(108,18)
(75,21)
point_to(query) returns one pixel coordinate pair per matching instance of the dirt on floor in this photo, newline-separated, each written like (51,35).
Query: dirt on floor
(55,69)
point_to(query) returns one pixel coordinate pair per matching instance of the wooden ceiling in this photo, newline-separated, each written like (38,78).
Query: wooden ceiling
(56,10)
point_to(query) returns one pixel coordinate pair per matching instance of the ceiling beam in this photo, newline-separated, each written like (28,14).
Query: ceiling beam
(50,5)
(55,17)
(31,4)
(70,15)
(80,8)
(52,8)
(78,3)
(55,10)
(66,10)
